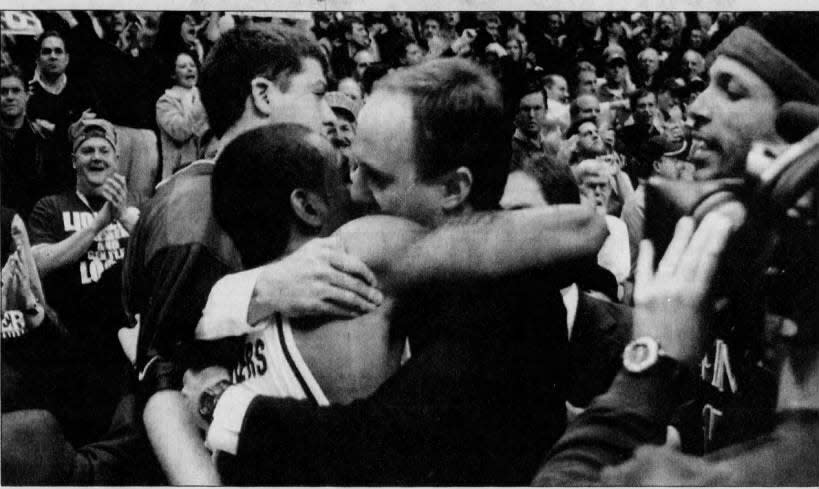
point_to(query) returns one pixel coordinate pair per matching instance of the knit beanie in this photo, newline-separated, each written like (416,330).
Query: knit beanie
(781,49)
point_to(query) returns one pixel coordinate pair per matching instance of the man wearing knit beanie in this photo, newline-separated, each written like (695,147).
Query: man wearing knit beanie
(758,74)
(753,72)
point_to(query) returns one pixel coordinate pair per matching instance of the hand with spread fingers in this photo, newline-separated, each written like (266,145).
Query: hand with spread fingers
(319,278)
(671,303)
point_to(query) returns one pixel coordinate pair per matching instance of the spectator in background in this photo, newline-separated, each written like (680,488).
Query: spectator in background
(598,329)
(694,38)
(371,75)
(616,86)
(584,107)
(549,45)
(528,139)
(354,39)
(341,130)
(645,124)
(23,156)
(514,49)
(55,102)
(181,117)
(656,156)
(594,177)
(362,60)
(585,142)
(648,66)
(411,53)
(79,239)
(397,32)
(56,427)
(351,88)
(692,67)
(128,80)
(669,100)
(585,79)
(179,33)
(431,25)
(666,39)
(557,91)
(556,88)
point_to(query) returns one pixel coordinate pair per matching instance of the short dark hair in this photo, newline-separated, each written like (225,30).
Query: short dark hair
(372,74)
(638,94)
(532,85)
(45,35)
(436,16)
(252,182)
(457,110)
(348,22)
(242,54)
(7,71)
(557,184)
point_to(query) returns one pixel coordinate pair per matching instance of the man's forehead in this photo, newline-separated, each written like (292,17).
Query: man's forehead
(95,142)
(311,72)
(724,65)
(53,40)
(10,81)
(593,177)
(587,127)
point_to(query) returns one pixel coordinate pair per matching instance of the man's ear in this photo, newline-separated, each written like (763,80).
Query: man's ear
(308,207)
(262,94)
(457,186)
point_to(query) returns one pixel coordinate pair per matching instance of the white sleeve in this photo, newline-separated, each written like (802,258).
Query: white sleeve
(223,434)
(225,313)
(615,254)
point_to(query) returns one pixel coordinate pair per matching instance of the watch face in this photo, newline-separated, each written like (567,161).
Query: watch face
(640,354)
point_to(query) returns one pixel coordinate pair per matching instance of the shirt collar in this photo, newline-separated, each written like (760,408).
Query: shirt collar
(54,89)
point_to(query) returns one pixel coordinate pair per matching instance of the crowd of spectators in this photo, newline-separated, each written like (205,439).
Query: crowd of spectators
(111,122)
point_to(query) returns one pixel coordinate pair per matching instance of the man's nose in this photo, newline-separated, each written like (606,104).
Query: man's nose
(327,115)
(698,111)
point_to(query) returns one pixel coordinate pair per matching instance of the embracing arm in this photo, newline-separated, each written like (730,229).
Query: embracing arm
(333,275)
(404,254)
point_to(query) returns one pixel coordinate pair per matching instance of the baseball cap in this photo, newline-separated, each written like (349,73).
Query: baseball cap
(85,129)
(340,101)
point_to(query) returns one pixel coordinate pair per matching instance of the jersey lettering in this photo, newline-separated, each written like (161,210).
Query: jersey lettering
(253,362)
(710,414)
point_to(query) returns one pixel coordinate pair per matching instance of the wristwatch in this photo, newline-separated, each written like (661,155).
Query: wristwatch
(209,398)
(642,354)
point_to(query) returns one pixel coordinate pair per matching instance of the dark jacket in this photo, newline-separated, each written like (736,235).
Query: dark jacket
(600,333)
(481,396)
(635,412)
(177,252)
(127,86)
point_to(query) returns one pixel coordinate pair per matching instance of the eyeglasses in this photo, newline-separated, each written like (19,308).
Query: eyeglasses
(48,51)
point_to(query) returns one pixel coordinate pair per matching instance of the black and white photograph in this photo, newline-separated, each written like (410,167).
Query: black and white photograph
(333,243)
